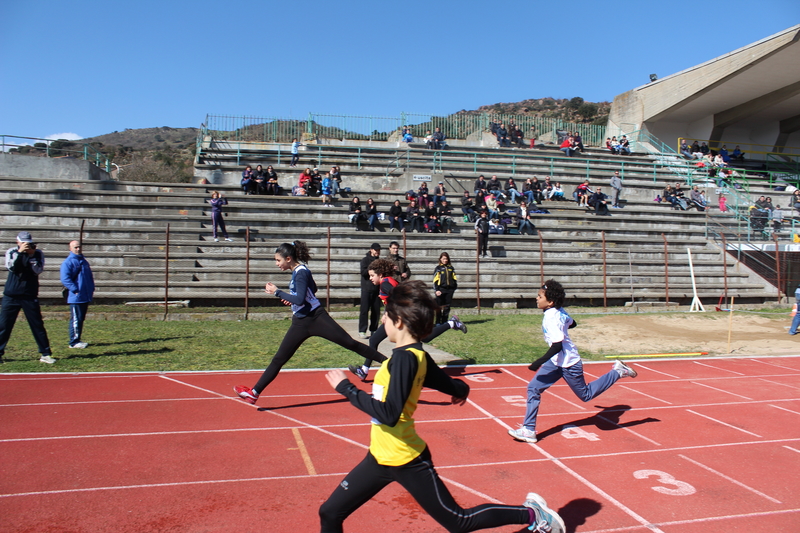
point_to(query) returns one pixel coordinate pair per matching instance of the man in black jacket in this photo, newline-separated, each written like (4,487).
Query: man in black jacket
(24,263)
(370,313)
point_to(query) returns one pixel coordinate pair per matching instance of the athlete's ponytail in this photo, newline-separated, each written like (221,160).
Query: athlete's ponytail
(297,250)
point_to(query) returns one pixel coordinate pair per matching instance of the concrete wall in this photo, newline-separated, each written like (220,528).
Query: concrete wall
(26,166)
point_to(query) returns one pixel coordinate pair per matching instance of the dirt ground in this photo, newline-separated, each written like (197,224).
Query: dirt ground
(750,334)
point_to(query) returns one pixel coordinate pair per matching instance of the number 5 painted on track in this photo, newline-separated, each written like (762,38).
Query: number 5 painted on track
(681,487)
(480,378)
(516,401)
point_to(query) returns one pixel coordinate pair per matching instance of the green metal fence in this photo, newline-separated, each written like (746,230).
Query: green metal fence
(357,128)
(55,148)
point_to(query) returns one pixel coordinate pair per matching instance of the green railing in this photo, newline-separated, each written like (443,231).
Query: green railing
(55,148)
(359,128)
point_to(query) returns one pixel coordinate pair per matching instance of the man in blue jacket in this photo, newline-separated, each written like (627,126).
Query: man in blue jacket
(76,276)
(24,263)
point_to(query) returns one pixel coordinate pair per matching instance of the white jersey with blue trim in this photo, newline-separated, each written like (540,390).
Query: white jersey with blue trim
(310,302)
(555,326)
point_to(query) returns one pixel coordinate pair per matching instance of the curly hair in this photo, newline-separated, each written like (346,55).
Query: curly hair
(382,267)
(554,292)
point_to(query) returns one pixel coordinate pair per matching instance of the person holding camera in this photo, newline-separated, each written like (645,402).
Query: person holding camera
(24,264)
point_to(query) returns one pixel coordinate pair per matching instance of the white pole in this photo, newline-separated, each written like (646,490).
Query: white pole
(697,305)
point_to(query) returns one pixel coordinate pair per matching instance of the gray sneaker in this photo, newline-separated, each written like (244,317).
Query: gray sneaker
(455,323)
(624,370)
(524,434)
(547,520)
(47,359)
(80,345)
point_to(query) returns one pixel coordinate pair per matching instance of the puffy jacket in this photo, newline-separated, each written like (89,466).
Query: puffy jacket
(76,275)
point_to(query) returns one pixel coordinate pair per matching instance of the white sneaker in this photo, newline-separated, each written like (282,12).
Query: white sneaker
(624,370)
(547,520)
(524,434)
(216,240)
(229,240)
(80,345)
(362,334)
(47,359)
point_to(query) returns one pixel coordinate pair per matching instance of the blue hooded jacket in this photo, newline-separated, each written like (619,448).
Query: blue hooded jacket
(76,275)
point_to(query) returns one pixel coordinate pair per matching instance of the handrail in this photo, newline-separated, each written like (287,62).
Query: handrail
(96,156)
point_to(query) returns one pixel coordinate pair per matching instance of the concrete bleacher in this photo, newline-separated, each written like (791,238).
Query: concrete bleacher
(125,230)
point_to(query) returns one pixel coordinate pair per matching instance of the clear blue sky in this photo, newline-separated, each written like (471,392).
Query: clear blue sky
(92,67)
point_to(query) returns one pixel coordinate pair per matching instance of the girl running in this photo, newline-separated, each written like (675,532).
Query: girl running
(217,201)
(561,361)
(309,318)
(396,452)
(381,273)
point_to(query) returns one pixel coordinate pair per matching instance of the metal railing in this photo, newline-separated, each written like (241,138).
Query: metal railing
(55,148)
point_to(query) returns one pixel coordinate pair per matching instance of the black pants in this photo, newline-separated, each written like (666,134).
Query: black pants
(444,302)
(380,335)
(483,243)
(420,479)
(370,309)
(317,324)
(33,313)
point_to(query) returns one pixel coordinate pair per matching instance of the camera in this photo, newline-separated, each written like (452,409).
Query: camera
(32,245)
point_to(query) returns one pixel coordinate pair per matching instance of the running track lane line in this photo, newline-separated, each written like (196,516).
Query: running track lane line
(720,390)
(619,505)
(728,478)
(725,423)
(330,433)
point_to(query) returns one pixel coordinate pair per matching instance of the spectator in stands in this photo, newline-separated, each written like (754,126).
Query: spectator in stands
(704,148)
(719,162)
(401,269)
(686,151)
(445,214)
(424,201)
(723,153)
(356,212)
(438,140)
(396,216)
(737,154)
(698,199)
(558,192)
(271,176)
(608,145)
(259,180)
(567,147)
(315,185)
(303,183)
(502,136)
(429,139)
(616,189)
(217,219)
(777,219)
(527,191)
(511,190)
(796,200)
(468,207)
(371,213)
(439,193)
(482,229)
(480,185)
(723,203)
(624,146)
(423,188)
(581,194)
(614,145)
(326,189)
(577,141)
(336,178)
(248,183)
(523,217)
(295,152)
(538,193)
(495,187)
(414,217)
(761,203)
(407,135)
(432,224)
(696,149)
(480,200)
(518,138)
(600,203)
(491,206)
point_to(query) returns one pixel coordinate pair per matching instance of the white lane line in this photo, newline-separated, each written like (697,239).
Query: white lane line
(728,478)
(773,364)
(724,423)
(645,395)
(793,449)
(779,383)
(650,369)
(718,368)
(553,394)
(720,390)
(784,409)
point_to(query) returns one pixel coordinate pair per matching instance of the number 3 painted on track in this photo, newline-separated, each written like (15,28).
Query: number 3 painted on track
(681,487)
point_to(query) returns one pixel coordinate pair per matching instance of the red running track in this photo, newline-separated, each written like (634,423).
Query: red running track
(711,445)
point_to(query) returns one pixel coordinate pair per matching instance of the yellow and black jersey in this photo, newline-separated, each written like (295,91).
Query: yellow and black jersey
(395,393)
(444,278)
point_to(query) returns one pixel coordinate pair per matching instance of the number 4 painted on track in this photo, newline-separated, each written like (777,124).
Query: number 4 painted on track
(681,487)
(480,378)
(574,432)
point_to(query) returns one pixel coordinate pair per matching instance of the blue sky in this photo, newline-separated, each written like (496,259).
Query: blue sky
(89,67)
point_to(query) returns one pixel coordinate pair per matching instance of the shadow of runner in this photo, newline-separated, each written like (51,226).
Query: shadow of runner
(606,420)
(575,513)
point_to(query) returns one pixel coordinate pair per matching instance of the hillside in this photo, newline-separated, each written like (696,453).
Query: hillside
(149,138)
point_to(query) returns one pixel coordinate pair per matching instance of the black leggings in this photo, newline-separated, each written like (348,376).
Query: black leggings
(318,323)
(380,335)
(420,479)
(444,301)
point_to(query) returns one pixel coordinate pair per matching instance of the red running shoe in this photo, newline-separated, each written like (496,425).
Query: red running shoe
(246,393)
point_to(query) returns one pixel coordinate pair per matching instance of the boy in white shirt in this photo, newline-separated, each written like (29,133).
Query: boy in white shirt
(561,361)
